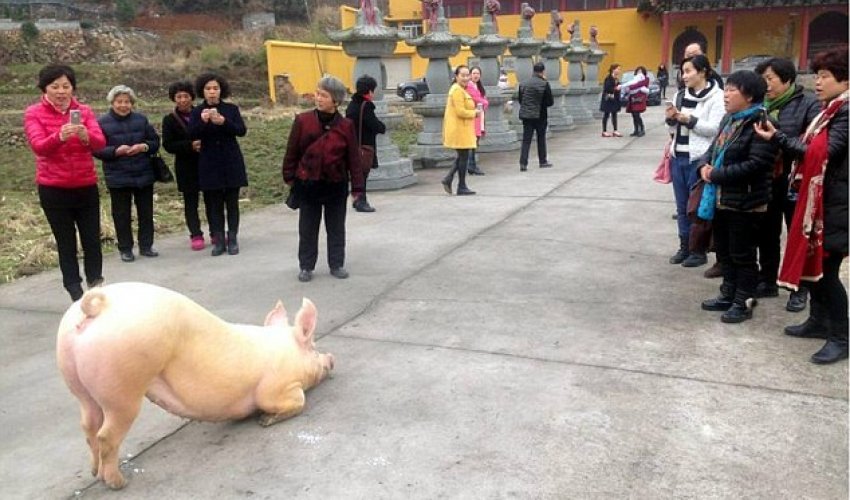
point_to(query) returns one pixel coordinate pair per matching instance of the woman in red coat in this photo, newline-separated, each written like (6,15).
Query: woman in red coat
(63,134)
(321,158)
(637,92)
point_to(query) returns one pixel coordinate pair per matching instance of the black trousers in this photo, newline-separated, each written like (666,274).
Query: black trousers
(735,239)
(69,211)
(829,296)
(329,199)
(529,128)
(217,201)
(637,121)
(779,208)
(122,201)
(191,202)
(605,116)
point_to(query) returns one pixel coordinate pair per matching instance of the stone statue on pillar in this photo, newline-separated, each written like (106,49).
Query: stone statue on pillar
(431,9)
(555,27)
(594,32)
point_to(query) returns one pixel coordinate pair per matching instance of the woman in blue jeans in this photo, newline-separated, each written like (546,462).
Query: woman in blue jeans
(694,120)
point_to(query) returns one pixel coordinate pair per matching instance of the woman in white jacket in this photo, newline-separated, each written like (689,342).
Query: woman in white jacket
(694,120)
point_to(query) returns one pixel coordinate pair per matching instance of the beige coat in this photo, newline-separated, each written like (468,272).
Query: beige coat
(459,120)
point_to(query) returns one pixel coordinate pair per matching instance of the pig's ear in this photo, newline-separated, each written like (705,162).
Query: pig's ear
(277,316)
(305,323)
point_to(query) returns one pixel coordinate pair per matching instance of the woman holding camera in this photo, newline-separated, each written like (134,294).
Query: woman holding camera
(221,167)
(818,238)
(62,134)
(130,140)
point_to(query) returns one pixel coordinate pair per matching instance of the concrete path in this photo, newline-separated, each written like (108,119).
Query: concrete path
(528,342)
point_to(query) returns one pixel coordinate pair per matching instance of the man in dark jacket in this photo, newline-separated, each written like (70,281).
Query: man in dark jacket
(361,111)
(792,110)
(534,97)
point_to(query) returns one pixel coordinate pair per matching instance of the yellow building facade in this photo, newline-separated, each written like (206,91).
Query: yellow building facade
(627,36)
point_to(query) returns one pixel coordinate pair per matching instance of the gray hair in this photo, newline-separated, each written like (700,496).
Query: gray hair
(334,87)
(118,90)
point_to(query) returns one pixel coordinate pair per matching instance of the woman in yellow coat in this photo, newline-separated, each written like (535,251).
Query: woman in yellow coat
(459,130)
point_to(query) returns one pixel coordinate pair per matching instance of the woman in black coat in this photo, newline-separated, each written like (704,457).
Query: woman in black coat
(130,140)
(176,140)
(739,164)
(372,126)
(221,167)
(811,256)
(663,79)
(610,104)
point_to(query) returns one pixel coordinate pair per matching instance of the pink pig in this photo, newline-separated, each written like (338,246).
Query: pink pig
(125,341)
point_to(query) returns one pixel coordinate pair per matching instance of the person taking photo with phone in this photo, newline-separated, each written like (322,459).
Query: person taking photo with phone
(693,117)
(791,109)
(221,166)
(62,134)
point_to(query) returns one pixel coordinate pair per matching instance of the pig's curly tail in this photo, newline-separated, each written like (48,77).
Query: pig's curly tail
(93,303)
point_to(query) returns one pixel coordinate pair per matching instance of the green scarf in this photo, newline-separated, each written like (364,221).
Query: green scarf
(774,105)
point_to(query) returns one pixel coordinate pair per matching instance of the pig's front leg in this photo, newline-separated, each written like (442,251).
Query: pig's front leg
(280,404)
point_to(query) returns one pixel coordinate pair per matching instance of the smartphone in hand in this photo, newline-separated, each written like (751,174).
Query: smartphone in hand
(75,117)
(669,103)
(763,118)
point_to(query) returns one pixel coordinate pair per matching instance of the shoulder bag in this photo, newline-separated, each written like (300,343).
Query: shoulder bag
(161,172)
(367,153)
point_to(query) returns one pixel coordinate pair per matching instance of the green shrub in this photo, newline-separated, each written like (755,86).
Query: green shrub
(29,32)
(212,56)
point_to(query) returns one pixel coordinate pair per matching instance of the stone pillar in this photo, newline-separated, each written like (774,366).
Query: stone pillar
(575,91)
(488,46)
(368,41)
(592,86)
(559,118)
(436,46)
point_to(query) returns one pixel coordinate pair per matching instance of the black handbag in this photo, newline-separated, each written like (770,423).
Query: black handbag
(293,200)
(161,172)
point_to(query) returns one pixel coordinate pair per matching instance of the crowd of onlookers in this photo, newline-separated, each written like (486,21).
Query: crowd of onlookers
(750,155)
(745,155)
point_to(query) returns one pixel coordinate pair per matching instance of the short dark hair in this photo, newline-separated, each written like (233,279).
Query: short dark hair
(178,87)
(202,80)
(53,72)
(539,67)
(783,68)
(749,83)
(365,84)
(834,61)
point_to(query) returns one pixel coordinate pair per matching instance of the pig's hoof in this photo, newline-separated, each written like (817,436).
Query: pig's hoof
(116,483)
(267,420)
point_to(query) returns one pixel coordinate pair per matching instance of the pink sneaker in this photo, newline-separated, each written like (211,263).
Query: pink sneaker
(617,134)
(198,243)
(606,134)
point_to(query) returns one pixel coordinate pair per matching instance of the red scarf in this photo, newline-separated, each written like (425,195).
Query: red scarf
(804,253)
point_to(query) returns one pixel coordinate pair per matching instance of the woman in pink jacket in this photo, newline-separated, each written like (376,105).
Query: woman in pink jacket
(476,89)
(62,134)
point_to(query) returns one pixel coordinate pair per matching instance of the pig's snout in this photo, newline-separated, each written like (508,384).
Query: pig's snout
(327,365)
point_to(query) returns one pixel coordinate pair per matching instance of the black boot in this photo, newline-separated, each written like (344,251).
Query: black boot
(816,325)
(461,184)
(835,348)
(682,253)
(232,243)
(448,179)
(218,244)
(739,312)
(75,291)
(361,204)
(797,301)
(472,165)
(641,131)
(722,302)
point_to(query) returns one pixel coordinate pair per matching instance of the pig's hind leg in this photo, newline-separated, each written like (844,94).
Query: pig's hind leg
(279,403)
(91,421)
(118,417)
